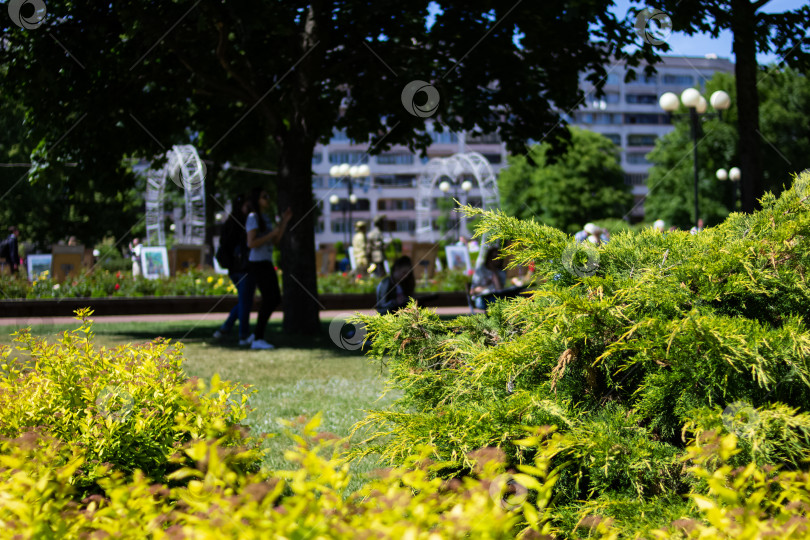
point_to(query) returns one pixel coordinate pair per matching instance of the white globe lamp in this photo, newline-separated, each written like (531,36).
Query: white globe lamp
(690,97)
(720,100)
(669,102)
(735,174)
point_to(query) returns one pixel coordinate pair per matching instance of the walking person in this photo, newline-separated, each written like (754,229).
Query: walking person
(261,237)
(9,249)
(233,254)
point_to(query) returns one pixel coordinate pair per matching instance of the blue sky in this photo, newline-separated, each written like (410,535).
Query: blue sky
(701,45)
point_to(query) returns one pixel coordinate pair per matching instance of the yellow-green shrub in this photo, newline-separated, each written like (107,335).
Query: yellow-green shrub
(131,406)
(219,499)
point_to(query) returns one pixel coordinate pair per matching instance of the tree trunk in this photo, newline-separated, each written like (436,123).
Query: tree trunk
(743,23)
(300,288)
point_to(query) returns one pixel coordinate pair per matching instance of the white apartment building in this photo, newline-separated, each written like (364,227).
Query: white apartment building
(628,114)
(391,188)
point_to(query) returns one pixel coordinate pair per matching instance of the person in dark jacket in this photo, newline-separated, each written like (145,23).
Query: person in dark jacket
(395,291)
(9,249)
(234,235)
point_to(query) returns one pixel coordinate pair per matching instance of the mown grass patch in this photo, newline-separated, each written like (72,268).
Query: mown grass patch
(303,376)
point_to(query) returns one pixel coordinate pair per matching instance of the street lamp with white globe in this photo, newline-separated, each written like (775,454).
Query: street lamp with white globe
(734,174)
(466,186)
(697,105)
(348,173)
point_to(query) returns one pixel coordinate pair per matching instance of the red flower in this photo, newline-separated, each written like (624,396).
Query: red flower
(359,276)
(344,274)
(118,275)
(117,286)
(276,268)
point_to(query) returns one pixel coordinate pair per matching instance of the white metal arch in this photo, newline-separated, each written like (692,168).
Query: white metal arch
(468,163)
(187,170)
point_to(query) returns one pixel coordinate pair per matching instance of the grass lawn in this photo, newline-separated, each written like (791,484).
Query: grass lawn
(303,376)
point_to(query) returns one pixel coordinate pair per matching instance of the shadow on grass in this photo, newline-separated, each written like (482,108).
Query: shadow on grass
(202,332)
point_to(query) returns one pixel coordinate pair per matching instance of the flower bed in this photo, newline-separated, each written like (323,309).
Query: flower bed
(101,284)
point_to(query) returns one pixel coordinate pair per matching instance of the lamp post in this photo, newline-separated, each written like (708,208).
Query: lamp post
(347,173)
(734,174)
(697,106)
(466,186)
(334,200)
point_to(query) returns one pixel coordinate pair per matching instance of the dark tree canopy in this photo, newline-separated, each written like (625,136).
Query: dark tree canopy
(133,78)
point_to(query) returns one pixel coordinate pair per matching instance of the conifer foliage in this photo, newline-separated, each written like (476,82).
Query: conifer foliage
(632,350)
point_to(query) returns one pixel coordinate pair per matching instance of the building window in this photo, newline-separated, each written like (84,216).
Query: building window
(317,158)
(396,204)
(445,137)
(613,78)
(338,226)
(640,78)
(641,140)
(635,179)
(615,138)
(362,205)
(489,138)
(679,80)
(649,119)
(404,225)
(637,158)
(493,158)
(317,182)
(395,159)
(643,99)
(319,228)
(352,158)
(600,102)
(394,180)
(599,118)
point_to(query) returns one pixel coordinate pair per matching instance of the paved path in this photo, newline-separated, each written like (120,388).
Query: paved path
(212,317)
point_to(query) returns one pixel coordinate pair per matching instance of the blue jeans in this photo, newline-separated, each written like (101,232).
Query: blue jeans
(246,288)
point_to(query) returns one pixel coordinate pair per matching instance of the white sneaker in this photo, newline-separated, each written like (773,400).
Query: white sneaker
(219,334)
(248,341)
(261,344)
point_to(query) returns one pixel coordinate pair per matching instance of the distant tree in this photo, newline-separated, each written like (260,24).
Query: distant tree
(584,183)
(754,31)
(784,95)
